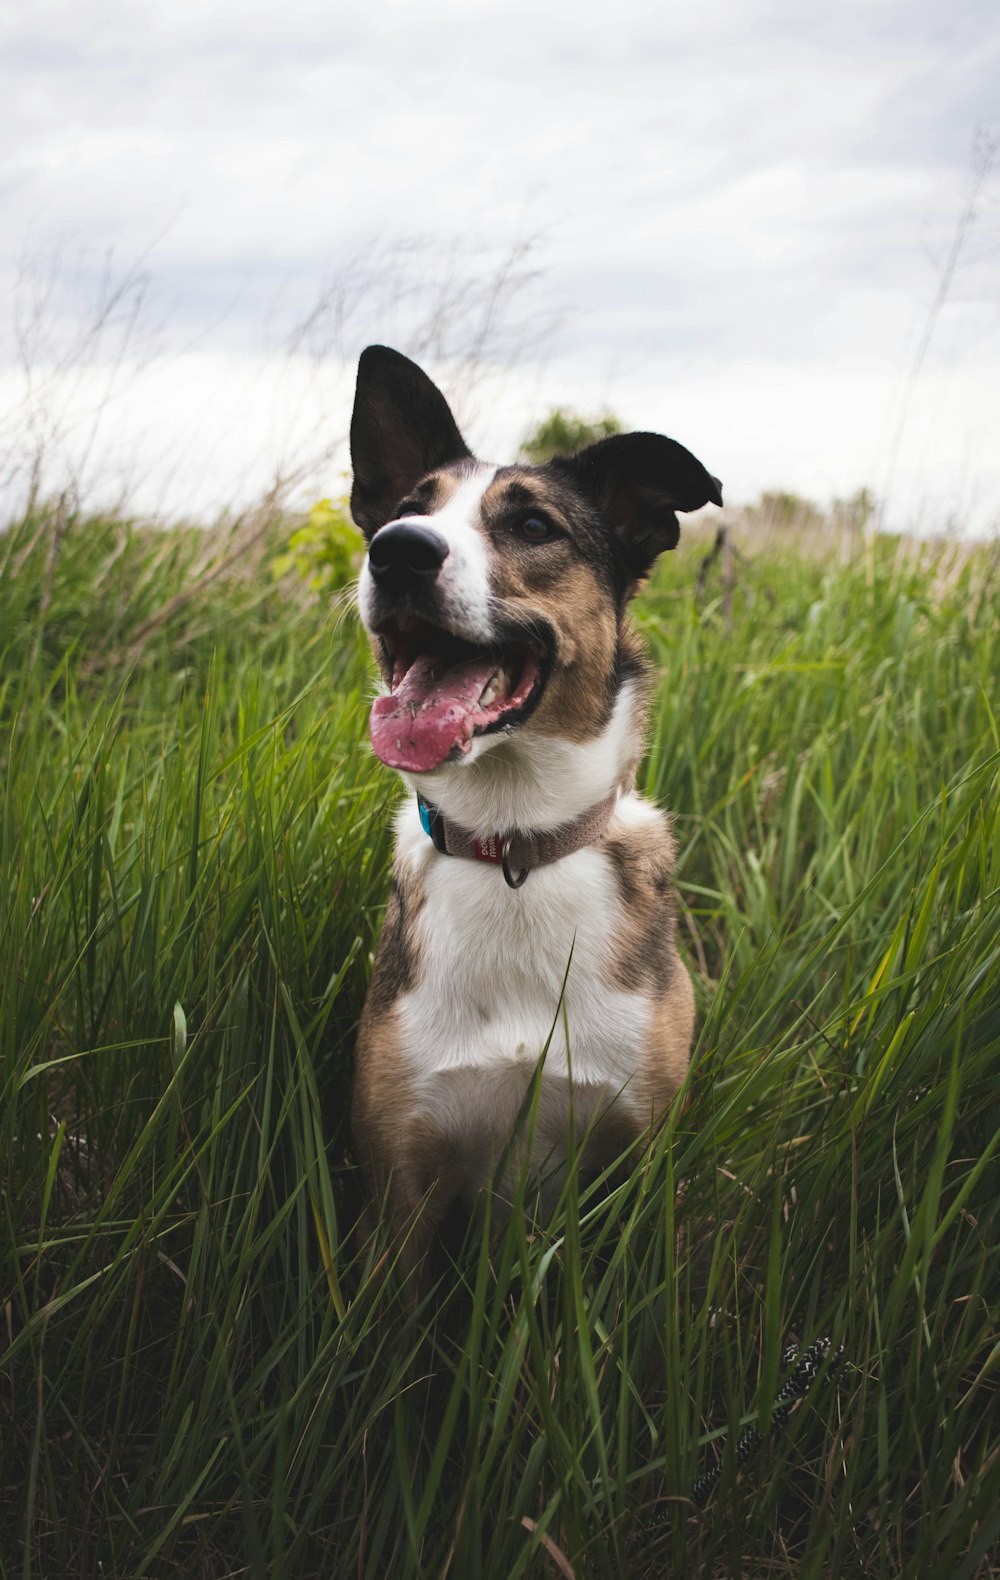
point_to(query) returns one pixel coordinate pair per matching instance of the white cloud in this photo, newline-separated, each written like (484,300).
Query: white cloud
(739,201)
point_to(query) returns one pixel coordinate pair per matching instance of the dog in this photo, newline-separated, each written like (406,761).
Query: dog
(530,932)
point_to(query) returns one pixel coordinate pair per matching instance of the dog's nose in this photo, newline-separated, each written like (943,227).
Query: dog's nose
(406,548)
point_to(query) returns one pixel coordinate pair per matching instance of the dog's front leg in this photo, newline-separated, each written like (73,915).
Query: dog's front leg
(419,1198)
(415,1174)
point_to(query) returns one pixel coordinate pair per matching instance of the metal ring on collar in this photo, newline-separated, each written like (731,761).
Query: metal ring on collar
(509,878)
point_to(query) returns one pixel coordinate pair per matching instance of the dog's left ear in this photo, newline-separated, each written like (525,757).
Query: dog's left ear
(640,480)
(401,429)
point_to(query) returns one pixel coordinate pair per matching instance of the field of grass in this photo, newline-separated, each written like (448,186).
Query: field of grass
(202,1372)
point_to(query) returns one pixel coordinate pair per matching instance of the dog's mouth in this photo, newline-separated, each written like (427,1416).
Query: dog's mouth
(445,691)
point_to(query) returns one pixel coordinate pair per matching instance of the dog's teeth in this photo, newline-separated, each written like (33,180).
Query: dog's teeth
(498,685)
(495,687)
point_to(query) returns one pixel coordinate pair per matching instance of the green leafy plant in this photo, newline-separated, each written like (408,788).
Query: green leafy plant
(564,432)
(326,551)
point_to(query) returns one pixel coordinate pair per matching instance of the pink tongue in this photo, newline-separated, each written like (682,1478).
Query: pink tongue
(429,713)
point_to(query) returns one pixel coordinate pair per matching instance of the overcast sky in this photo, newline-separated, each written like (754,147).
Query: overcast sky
(728,222)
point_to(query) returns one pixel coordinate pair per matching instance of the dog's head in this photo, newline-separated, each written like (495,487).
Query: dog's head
(495,596)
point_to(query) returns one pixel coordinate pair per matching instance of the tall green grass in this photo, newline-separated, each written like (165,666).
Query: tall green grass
(203,1372)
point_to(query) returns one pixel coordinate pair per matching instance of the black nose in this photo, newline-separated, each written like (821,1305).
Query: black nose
(404,549)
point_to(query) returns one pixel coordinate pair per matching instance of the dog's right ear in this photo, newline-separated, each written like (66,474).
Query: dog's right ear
(401,428)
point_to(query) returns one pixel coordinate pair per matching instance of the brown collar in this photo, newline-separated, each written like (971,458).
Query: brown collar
(517,853)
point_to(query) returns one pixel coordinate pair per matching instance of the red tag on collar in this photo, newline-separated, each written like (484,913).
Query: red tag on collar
(488,849)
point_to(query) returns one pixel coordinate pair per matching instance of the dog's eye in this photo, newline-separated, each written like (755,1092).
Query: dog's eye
(535,529)
(411,507)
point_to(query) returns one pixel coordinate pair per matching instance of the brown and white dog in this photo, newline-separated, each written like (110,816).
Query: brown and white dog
(532,886)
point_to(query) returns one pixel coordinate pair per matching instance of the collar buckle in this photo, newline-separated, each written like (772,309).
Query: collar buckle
(509,879)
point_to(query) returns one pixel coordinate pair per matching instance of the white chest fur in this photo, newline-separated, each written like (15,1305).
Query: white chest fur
(502,972)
